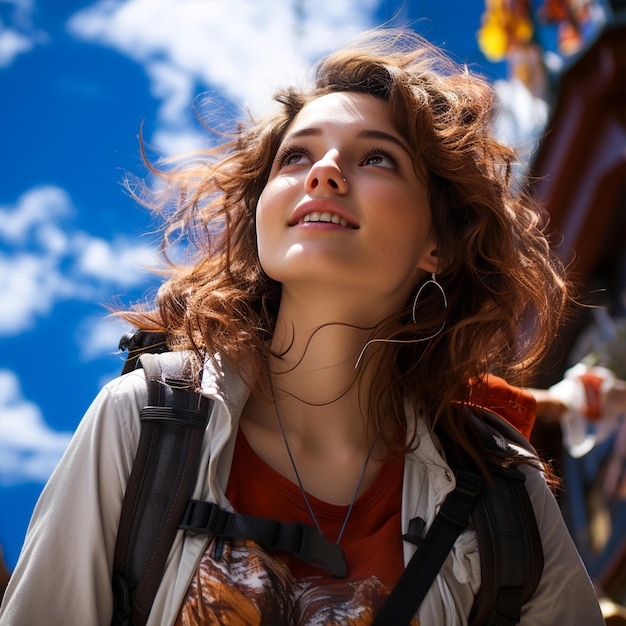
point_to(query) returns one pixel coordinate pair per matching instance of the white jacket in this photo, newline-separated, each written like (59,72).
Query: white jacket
(63,576)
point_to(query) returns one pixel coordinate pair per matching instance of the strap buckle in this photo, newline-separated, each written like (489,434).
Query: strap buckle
(317,550)
(208,518)
(303,541)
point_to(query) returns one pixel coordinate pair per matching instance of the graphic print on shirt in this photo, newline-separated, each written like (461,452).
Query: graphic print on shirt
(238,583)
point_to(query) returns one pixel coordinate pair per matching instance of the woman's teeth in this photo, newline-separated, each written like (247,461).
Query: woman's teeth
(316,216)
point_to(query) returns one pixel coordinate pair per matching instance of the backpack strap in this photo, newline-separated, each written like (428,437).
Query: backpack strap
(507,533)
(419,574)
(301,540)
(511,554)
(160,485)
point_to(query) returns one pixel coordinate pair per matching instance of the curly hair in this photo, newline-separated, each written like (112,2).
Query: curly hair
(506,291)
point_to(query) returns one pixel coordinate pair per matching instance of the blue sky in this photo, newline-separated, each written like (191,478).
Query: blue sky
(77,81)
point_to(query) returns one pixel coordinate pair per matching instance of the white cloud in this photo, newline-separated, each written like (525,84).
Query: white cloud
(45,260)
(100,336)
(18,36)
(12,44)
(30,284)
(174,87)
(36,207)
(29,448)
(242,48)
(52,239)
(120,261)
(174,141)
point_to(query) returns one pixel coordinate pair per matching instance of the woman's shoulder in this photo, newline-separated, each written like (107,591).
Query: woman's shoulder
(131,383)
(115,411)
(126,392)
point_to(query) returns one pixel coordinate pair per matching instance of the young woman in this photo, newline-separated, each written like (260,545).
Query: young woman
(362,262)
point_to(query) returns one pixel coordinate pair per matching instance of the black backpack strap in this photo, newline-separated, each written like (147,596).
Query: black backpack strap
(160,485)
(417,578)
(511,553)
(302,541)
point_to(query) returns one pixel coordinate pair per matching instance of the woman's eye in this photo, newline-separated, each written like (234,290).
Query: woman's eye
(292,156)
(380,158)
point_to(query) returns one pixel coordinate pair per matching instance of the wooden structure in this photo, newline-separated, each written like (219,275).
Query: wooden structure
(580,168)
(580,173)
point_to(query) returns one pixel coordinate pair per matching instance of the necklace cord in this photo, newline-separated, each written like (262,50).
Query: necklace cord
(301,486)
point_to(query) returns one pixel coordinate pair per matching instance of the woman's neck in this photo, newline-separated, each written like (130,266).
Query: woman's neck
(314,377)
(321,401)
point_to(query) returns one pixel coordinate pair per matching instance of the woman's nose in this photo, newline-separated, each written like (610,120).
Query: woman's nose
(326,174)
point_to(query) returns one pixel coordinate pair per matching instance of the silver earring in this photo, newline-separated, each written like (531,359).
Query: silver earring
(431,281)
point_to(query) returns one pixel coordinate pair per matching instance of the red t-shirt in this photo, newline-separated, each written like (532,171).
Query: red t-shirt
(372,539)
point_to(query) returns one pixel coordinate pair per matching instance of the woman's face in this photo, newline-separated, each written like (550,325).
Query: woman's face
(343,210)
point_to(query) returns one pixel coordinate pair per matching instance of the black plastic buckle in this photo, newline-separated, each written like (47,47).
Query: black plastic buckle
(316,549)
(415,533)
(204,517)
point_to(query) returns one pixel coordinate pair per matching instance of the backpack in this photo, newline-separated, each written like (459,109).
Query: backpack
(158,503)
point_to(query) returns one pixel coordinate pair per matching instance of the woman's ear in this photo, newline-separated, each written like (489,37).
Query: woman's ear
(430,262)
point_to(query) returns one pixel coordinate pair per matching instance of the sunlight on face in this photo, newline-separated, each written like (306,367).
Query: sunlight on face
(343,210)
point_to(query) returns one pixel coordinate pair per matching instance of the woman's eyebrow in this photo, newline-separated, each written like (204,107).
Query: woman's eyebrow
(303,132)
(382,135)
(362,134)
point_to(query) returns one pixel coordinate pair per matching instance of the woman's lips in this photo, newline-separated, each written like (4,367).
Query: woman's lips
(323,212)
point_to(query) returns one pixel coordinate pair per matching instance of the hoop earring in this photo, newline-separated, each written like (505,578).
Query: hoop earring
(432,280)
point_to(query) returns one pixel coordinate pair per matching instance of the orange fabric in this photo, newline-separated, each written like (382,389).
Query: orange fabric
(517,406)
(593,395)
(372,540)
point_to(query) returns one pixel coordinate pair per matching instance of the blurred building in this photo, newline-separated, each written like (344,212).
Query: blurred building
(579,173)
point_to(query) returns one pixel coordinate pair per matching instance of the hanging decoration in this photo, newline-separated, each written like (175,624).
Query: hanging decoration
(511,25)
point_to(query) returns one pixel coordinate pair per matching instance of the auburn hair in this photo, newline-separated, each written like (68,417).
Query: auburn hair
(505,289)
